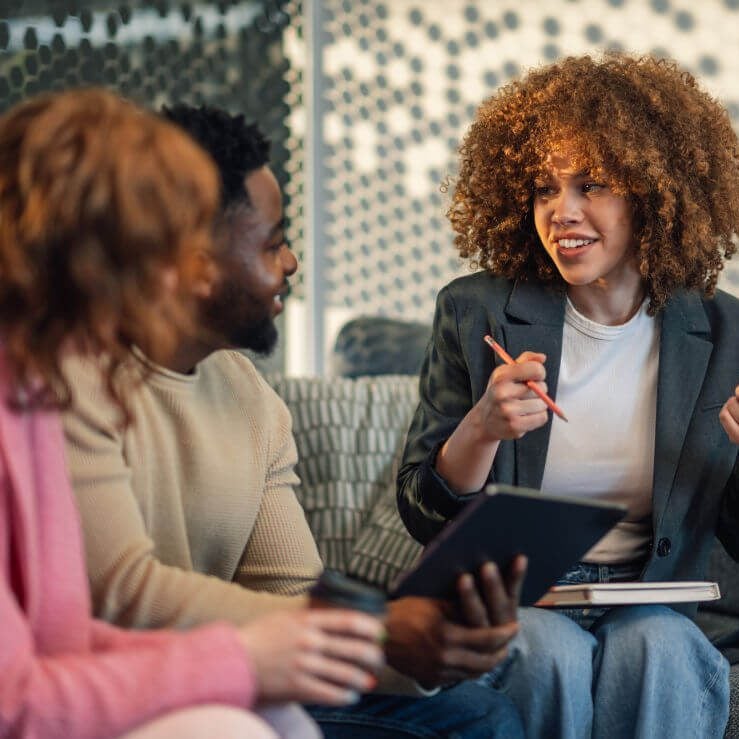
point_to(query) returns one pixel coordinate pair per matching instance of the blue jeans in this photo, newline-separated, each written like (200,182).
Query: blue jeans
(628,672)
(466,711)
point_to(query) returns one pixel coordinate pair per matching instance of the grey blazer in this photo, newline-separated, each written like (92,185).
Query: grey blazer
(696,475)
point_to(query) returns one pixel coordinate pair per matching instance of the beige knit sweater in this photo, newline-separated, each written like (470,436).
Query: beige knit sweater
(195,496)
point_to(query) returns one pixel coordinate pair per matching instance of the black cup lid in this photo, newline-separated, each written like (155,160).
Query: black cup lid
(338,590)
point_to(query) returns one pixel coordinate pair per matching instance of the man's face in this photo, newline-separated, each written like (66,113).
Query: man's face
(254,267)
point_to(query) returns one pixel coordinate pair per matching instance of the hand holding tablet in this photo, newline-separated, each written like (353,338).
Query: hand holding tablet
(553,532)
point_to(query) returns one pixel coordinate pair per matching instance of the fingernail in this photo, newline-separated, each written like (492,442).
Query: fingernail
(351,697)
(382,637)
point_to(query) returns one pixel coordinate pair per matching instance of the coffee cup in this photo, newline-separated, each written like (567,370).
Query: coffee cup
(335,590)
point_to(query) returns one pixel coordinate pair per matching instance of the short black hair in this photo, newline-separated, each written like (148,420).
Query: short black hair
(237,147)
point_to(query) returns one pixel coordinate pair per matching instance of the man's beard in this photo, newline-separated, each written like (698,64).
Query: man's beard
(233,317)
(259,336)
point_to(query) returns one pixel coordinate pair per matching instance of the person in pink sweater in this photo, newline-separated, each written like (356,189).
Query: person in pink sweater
(105,213)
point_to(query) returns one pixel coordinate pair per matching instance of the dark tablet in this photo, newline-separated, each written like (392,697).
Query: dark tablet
(553,532)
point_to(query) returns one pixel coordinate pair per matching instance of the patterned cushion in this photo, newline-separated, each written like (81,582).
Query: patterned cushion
(384,548)
(347,433)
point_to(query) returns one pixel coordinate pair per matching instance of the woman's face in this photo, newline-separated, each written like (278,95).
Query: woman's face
(585,228)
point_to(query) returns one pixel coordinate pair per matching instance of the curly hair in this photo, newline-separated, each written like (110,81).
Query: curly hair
(97,200)
(640,123)
(237,147)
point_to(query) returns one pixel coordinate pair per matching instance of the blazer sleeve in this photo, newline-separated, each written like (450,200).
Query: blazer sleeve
(424,499)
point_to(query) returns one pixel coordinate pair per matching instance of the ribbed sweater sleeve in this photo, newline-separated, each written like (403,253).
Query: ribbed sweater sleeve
(280,555)
(189,515)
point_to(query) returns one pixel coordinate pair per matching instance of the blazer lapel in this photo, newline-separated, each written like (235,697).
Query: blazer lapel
(685,349)
(536,319)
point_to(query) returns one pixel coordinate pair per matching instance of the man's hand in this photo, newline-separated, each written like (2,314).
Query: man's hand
(729,417)
(436,642)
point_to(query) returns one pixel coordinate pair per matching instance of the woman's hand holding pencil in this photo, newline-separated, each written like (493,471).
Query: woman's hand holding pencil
(509,360)
(512,405)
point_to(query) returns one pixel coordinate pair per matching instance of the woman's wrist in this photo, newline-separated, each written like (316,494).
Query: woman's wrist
(479,426)
(464,462)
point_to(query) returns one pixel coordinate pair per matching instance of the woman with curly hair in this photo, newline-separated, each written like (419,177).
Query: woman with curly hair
(600,199)
(105,227)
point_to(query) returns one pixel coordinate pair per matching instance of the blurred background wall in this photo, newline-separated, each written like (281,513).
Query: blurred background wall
(365,102)
(225,53)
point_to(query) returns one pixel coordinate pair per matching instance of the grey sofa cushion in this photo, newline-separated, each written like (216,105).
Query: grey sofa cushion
(373,345)
(732,728)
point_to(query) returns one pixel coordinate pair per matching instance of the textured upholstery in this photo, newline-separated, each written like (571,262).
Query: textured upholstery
(348,433)
(384,548)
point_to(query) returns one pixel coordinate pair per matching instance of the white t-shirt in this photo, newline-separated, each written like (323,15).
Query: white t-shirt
(608,388)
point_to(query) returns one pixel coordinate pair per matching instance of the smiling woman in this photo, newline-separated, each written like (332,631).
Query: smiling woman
(601,198)
(587,230)
(643,127)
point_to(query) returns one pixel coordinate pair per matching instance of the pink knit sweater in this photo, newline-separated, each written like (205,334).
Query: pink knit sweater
(62,673)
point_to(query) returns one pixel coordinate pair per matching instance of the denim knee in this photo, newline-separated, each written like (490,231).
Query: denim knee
(678,681)
(656,629)
(647,635)
(553,643)
(549,675)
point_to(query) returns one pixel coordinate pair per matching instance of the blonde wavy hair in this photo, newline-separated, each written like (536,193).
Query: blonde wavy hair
(642,124)
(98,199)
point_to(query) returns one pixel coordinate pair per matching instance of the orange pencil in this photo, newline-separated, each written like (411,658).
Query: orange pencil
(508,359)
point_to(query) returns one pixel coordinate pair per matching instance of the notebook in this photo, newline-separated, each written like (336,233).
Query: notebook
(628,593)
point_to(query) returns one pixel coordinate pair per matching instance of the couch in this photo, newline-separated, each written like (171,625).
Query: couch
(350,432)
